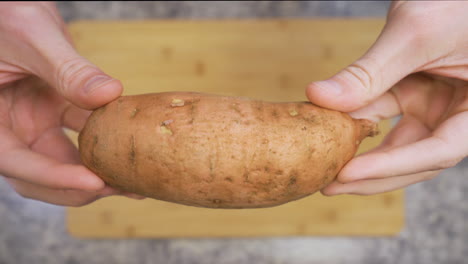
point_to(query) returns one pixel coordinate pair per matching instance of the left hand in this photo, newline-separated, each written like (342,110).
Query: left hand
(46,85)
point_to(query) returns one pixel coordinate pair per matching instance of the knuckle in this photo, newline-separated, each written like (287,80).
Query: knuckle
(20,10)
(364,74)
(26,13)
(71,72)
(420,24)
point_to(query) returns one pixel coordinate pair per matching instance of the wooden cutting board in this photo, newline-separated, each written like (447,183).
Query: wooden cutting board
(265,59)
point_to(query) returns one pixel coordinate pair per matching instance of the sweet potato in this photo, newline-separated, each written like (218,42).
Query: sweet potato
(217,151)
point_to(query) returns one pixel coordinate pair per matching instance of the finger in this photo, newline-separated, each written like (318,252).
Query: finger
(389,60)
(406,131)
(384,107)
(79,81)
(58,196)
(375,186)
(443,149)
(63,149)
(74,117)
(9,77)
(55,60)
(53,11)
(20,162)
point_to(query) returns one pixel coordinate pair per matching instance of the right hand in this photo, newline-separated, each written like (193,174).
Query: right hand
(417,68)
(45,85)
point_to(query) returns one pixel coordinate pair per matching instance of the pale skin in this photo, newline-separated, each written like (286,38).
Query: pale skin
(44,86)
(418,68)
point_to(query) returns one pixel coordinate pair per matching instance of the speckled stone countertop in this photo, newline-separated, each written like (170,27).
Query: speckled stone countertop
(436,228)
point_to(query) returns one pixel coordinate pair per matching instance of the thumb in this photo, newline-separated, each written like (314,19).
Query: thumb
(34,39)
(389,60)
(74,77)
(79,81)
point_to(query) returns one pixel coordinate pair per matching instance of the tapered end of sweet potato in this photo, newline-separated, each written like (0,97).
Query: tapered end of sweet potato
(367,128)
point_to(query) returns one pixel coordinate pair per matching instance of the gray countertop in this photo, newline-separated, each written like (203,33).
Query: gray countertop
(436,228)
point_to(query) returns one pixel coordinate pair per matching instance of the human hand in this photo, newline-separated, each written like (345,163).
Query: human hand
(417,68)
(45,85)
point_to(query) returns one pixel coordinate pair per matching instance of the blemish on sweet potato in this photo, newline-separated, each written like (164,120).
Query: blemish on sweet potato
(293,174)
(237,109)
(193,109)
(132,154)
(292,180)
(275,113)
(293,112)
(310,119)
(268,185)
(177,102)
(228,179)
(245,176)
(333,166)
(258,107)
(134,112)
(211,169)
(167,122)
(165,130)
(94,158)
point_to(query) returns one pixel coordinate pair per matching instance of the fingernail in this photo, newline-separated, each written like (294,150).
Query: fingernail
(330,87)
(96,82)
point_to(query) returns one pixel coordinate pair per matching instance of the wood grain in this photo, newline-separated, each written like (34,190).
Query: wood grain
(266,59)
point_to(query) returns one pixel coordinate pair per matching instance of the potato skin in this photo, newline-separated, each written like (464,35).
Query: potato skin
(216,151)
